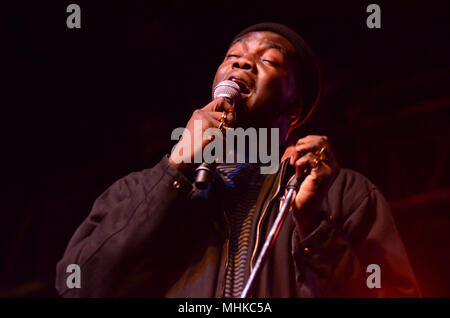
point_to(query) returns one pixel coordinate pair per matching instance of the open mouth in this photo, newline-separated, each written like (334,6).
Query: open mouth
(242,85)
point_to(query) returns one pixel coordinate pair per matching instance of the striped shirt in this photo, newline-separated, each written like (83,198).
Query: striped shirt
(243,182)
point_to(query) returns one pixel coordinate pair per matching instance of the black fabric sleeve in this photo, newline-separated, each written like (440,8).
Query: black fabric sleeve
(126,243)
(333,260)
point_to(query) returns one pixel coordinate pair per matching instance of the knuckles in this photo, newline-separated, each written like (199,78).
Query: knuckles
(313,139)
(197,113)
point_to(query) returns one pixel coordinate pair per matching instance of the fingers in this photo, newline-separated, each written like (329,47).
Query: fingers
(221,110)
(304,164)
(312,154)
(208,119)
(227,118)
(217,105)
(308,144)
(221,105)
(213,119)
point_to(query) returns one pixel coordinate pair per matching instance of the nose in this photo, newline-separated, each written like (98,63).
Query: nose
(245,63)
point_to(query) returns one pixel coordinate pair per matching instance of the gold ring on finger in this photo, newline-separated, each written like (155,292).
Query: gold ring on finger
(322,154)
(316,162)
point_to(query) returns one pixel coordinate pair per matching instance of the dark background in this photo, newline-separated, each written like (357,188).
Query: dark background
(84,107)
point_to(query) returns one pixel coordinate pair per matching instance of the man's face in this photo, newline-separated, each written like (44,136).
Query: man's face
(260,63)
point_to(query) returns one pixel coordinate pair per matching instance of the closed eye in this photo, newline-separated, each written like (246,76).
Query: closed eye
(271,62)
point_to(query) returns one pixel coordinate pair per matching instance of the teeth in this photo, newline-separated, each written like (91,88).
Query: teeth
(243,87)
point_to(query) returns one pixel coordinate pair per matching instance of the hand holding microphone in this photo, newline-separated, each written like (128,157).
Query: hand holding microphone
(219,113)
(229,91)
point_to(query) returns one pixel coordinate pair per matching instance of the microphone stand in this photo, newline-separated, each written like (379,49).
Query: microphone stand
(292,188)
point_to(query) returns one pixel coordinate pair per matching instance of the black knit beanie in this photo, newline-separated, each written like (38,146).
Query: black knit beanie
(308,68)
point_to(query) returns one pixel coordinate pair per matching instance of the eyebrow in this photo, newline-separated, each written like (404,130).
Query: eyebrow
(266,43)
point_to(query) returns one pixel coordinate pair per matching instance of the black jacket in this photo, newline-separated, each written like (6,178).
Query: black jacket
(151,235)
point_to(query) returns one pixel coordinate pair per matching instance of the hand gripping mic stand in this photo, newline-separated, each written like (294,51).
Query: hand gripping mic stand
(292,188)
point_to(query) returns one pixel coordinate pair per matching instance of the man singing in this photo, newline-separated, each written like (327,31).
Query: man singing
(154,234)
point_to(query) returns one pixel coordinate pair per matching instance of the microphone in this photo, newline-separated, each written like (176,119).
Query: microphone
(230,91)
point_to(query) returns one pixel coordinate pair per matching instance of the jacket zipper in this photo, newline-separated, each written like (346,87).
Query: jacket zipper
(258,230)
(283,168)
(226,254)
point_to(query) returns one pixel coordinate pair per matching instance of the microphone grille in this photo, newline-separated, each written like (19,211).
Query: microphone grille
(228,90)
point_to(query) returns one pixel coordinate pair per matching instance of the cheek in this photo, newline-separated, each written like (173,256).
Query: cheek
(288,88)
(220,73)
(276,88)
